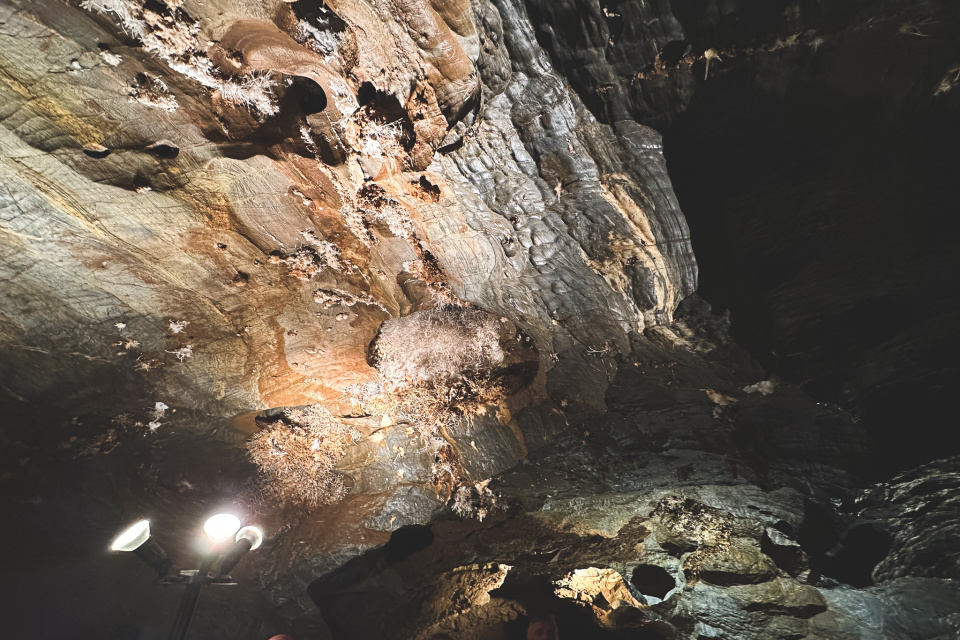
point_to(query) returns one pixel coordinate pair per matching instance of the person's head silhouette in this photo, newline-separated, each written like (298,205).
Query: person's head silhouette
(542,628)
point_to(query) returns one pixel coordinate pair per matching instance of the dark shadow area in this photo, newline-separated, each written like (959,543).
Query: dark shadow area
(366,94)
(822,219)
(315,13)
(818,532)
(384,109)
(338,591)
(98,154)
(787,557)
(860,550)
(674,50)
(406,541)
(747,21)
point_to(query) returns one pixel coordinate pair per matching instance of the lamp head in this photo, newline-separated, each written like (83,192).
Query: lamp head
(136,538)
(132,537)
(248,539)
(221,526)
(251,533)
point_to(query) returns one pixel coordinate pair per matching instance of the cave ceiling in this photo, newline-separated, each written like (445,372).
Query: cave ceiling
(638,313)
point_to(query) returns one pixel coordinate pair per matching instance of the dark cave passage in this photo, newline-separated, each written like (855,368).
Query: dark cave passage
(814,161)
(819,199)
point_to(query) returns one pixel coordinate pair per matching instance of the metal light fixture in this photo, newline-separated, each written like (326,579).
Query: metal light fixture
(136,538)
(219,528)
(253,534)
(248,539)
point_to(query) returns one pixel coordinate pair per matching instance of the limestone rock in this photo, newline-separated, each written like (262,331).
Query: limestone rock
(211,210)
(737,564)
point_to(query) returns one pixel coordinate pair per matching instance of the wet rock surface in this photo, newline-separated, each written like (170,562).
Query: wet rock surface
(448,227)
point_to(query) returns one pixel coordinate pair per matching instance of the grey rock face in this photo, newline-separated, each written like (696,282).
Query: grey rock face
(901,608)
(919,512)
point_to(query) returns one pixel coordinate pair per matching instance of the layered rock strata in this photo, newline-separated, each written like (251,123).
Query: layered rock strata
(411,219)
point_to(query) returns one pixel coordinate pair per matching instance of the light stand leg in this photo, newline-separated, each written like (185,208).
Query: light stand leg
(188,603)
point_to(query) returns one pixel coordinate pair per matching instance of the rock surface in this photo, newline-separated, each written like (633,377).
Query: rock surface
(216,213)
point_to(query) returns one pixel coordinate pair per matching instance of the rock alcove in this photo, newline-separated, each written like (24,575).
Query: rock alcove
(637,313)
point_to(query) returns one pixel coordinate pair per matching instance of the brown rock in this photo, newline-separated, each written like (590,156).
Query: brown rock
(739,563)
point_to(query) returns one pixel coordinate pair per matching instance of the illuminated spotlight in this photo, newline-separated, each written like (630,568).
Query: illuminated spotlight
(132,537)
(136,538)
(221,526)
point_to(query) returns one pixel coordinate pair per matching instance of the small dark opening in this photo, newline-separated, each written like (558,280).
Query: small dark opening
(156,6)
(140,182)
(430,188)
(783,527)
(387,109)
(817,533)
(309,95)
(366,94)
(98,153)
(163,150)
(673,52)
(862,548)
(316,14)
(652,580)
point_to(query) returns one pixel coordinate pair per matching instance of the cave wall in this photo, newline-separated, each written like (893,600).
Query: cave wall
(211,209)
(203,222)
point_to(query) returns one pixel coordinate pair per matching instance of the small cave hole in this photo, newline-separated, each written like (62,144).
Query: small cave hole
(652,580)
(673,52)
(97,151)
(366,94)
(309,95)
(157,7)
(425,191)
(386,109)
(163,150)
(817,533)
(784,527)
(141,183)
(315,13)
